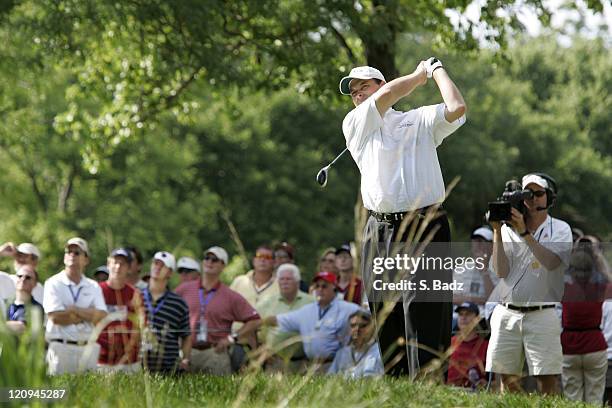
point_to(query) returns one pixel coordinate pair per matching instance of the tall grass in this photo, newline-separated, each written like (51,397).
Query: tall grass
(22,365)
(22,359)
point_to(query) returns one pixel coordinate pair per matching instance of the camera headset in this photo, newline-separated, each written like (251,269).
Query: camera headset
(551,190)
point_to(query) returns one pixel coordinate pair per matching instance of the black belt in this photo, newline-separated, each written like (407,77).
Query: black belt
(202,346)
(398,216)
(526,309)
(72,342)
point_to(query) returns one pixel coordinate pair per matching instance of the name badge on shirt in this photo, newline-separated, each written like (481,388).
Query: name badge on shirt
(202,335)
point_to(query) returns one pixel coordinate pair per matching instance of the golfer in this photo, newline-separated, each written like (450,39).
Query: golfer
(401,178)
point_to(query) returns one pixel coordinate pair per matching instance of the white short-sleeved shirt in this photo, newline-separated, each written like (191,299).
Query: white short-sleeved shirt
(322,333)
(396,155)
(61,292)
(528,282)
(7,286)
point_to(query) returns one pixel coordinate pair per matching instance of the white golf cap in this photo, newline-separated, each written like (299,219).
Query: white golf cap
(167,258)
(534,178)
(364,72)
(80,242)
(29,249)
(188,263)
(218,252)
(483,232)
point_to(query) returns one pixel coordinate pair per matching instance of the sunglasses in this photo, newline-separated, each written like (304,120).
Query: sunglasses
(25,277)
(211,258)
(186,270)
(538,193)
(264,256)
(74,252)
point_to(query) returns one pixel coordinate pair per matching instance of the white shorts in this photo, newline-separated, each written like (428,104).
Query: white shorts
(532,336)
(70,358)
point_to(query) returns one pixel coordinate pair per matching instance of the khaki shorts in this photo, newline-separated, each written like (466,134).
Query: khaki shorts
(210,362)
(69,358)
(119,368)
(532,336)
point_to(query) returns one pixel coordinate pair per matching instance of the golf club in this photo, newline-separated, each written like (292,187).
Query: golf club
(322,174)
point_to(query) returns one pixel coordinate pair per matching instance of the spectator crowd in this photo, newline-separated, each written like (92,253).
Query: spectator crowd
(126,318)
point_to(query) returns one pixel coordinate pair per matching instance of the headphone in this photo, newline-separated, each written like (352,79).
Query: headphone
(551,190)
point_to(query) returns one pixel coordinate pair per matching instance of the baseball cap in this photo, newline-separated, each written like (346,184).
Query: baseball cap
(534,178)
(363,72)
(122,252)
(80,242)
(219,253)
(167,258)
(101,269)
(188,263)
(343,248)
(285,246)
(327,277)
(29,249)
(472,307)
(483,232)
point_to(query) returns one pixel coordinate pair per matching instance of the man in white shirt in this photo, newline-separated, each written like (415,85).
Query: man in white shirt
(401,179)
(74,305)
(530,254)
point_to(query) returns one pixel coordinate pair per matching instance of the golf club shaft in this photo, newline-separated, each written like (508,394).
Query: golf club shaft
(337,157)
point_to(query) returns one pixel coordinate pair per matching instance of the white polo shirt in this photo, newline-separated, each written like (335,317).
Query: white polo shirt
(61,292)
(396,155)
(7,286)
(528,282)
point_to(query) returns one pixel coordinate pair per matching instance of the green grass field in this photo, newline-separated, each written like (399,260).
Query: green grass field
(260,390)
(22,366)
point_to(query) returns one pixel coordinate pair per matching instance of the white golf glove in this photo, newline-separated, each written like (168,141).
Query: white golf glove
(431,64)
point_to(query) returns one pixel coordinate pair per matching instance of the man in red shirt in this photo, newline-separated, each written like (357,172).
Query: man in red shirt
(585,359)
(119,342)
(467,362)
(213,307)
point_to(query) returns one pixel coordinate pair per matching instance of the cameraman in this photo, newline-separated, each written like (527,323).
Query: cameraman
(530,254)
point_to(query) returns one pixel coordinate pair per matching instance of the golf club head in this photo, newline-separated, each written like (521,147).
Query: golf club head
(322,176)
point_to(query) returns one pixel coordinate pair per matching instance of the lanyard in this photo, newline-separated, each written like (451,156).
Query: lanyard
(75,298)
(149,303)
(204,302)
(322,313)
(357,361)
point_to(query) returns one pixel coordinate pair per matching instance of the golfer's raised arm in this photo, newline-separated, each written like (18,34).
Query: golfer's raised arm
(455,105)
(393,91)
